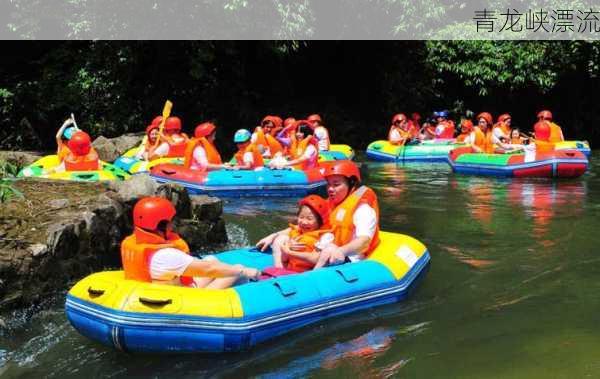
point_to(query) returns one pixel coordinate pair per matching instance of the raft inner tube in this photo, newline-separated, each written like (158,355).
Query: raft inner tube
(45,166)
(425,151)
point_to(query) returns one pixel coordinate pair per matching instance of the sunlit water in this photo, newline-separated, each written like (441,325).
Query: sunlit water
(512,293)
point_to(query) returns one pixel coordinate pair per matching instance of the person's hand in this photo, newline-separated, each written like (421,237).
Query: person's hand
(264,243)
(250,273)
(331,255)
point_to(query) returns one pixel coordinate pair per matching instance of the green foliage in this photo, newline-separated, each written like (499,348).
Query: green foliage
(8,172)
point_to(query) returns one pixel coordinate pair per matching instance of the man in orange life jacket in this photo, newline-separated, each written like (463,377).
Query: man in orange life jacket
(556,134)
(81,156)
(201,153)
(354,219)
(248,156)
(154,253)
(173,141)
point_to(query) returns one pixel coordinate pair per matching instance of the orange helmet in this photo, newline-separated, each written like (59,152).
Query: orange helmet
(545,115)
(542,130)
(399,117)
(173,124)
(150,128)
(204,130)
(487,117)
(157,120)
(466,125)
(318,205)
(315,117)
(504,117)
(345,168)
(80,143)
(289,121)
(150,211)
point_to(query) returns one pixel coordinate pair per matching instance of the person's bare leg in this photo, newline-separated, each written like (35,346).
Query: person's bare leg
(222,283)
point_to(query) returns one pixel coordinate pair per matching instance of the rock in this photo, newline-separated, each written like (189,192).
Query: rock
(107,151)
(136,187)
(58,203)
(3,324)
(126,142)
(206,207)
(20,158)
(178,196)
(38,249)
(45,249)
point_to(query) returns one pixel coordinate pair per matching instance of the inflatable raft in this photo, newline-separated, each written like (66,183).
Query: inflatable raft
(145,317)
(43,168)
(557,164)
(238,183)
(426,151)
(337,152)
(128,162)
(582,146)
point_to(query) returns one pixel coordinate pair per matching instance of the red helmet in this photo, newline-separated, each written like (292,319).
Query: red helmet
(542,130)
(204,130)
(415,116)
(318,205)
(150,211)
(487,117)
(173,124)
(157,120)
(276,120)
(80,143)
(504,117)
(345,168)
(314,117)
(466,125)
(289,121)
(545,115)
(399,117)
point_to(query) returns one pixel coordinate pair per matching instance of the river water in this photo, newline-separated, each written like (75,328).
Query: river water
(512,292)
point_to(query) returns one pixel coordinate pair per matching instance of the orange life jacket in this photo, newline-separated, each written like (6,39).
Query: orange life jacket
(341,219)
(448,131)
(516,140)
(484,140)
(267,141)
(309,240)
(543,146)
(462,137)
(63,151)
(137,251)
(413,129)
(555,133)
(88,162)
(298,148)
(177,149)
(212,155)
(252,148)
(403,134)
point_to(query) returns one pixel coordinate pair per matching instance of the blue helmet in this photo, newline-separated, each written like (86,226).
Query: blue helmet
(68,133)
(443,114)
(242,136)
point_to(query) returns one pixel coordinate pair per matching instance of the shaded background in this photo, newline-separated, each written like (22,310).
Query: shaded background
(119,86)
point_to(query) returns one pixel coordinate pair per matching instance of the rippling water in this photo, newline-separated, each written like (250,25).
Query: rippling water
(512,293)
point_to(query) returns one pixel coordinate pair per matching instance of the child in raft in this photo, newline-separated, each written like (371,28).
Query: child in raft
(305,239)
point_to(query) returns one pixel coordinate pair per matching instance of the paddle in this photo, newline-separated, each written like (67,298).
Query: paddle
(165,114)
(74,122)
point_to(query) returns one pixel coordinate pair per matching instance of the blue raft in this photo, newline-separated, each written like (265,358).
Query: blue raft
(146,317)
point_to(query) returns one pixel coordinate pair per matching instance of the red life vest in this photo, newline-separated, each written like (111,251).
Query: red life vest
(177,149)
(448,131)
(252,148)
(137,251)
(341,219)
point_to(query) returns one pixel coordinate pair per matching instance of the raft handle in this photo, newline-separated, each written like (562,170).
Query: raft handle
(95,292)
(85,176)
(285,289)
(237,176)
(160,302)
(569,154)
(347,274)
(167,172)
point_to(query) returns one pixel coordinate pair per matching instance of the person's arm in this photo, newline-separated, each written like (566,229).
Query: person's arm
(158,152)
(68,122)
(246,163)
(264,243)
(216,269)
(282,136)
